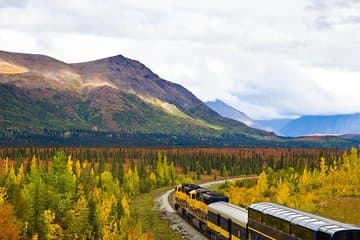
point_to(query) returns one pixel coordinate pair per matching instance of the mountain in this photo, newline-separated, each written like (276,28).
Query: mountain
(229,112)
(323,125)
(115,99)
(353,137)
(272,125)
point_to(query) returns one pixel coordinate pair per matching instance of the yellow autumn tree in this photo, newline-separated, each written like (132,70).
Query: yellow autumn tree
(262,184)
(9,226)
(54,231)
(283,192)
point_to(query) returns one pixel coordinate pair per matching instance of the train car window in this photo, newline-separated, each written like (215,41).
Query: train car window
(213,218)
(278,223)
(243,234)
(238,231)
(235,229)
(301,232)
(253,214)
(355,235)
(323,236)
(346,235)
(265,219)
(343,236)
(224,223)
(229,226)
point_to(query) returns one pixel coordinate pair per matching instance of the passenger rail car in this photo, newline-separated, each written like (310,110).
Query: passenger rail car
(227,221)
(219,220)
(273,221)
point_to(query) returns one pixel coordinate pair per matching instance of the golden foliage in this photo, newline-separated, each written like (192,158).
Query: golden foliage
(125,205)
(9,226)
(54,231)
(309,191)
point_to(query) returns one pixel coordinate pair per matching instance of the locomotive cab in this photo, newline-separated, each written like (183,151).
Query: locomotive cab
(199,200)
(182,195)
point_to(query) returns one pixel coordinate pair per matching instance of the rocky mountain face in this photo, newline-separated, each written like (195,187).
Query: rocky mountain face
(229,112)
(112,98)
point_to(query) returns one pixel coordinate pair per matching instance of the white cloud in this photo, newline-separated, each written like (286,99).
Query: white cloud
(268,58)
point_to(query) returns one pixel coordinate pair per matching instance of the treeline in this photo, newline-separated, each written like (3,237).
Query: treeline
(332,189)
(61,197)
(211,161)
(89,138)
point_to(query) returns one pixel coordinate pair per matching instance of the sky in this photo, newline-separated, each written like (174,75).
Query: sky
(269,59)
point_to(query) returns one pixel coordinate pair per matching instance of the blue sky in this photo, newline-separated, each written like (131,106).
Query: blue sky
(267,58)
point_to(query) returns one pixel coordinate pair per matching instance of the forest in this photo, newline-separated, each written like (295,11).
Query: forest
(331,190)
(85,193)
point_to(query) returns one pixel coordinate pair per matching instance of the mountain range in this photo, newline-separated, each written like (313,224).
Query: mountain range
(113,101)
(311,125)
(317,124)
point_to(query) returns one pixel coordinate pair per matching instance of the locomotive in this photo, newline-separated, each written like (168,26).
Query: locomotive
(214,216)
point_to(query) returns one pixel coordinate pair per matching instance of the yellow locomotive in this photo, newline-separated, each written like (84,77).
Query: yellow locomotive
(192,201)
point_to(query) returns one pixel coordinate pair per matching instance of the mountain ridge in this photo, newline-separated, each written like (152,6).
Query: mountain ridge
(304,126)
(338,124)
(228,111)
(113,100)
(114,94)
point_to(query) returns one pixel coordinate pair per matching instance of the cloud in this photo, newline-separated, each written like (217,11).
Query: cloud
(335,13)
(12,3)
(269,59)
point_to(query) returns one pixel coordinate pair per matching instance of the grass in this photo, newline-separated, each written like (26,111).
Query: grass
(142,208)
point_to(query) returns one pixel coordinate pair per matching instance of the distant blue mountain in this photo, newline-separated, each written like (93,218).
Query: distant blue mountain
(273,125)
(343,124)
(331,124)
(353,137)
(229,112)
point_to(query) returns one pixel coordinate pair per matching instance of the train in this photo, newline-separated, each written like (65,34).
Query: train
(217,219)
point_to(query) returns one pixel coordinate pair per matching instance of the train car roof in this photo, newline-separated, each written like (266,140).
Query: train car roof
(208,193)
(237,214)
(307,220)
(188,187)
(191,185)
